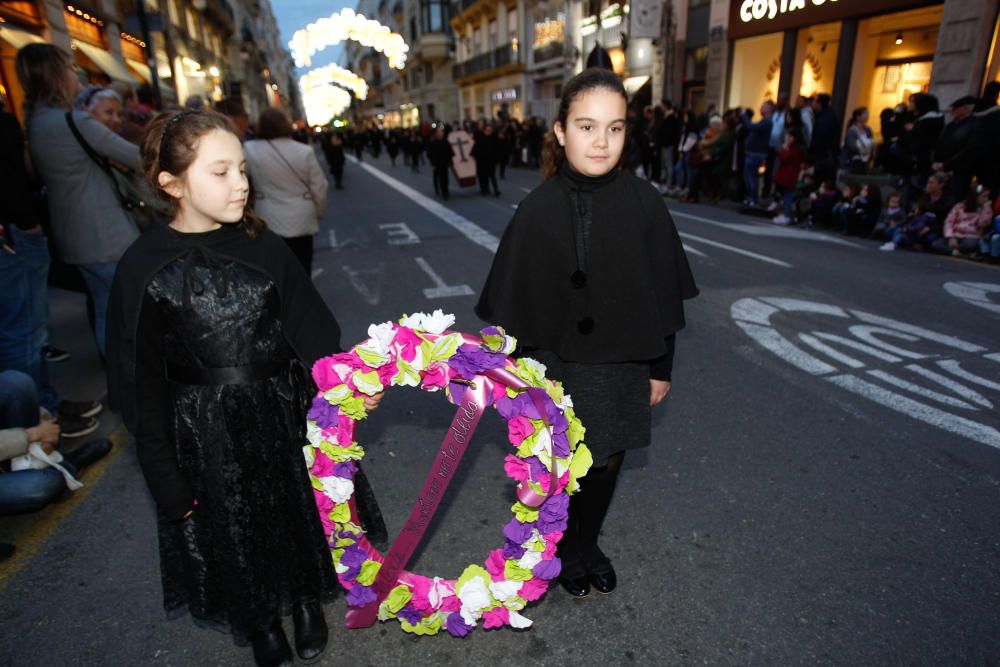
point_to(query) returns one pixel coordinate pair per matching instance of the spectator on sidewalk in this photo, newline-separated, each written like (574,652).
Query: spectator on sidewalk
(786,176)
(30,443)
(683,170)
(232,108)
(756,146)
(90,226)
(288,182)
(134,117)
(859,143)
(989,247)
(919,139)
(103,104)
(966,224)
(891,218)
(668,137)
(776,142)
(988,115)
(918,232)
(958,149)
(825,137)
(823,202)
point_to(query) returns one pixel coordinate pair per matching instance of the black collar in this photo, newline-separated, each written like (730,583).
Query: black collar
(578,181)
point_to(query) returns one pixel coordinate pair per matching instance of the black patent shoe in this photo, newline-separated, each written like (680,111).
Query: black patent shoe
(578,587)
(311,633)
(605,582)
(270,646)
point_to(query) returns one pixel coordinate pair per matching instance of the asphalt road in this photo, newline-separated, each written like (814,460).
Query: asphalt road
(823,487)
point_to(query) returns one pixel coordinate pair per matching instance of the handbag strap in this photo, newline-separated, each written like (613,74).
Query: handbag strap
(291,168)
(88,149)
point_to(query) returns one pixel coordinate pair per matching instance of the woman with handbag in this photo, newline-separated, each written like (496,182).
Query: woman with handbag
(288,183)
(90,225)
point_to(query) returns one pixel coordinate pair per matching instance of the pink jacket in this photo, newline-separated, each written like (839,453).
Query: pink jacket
(962,224)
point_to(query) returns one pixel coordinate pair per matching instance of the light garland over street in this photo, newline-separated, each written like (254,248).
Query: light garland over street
(347,25)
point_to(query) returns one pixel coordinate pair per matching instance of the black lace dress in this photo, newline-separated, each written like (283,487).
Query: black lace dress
(211,349)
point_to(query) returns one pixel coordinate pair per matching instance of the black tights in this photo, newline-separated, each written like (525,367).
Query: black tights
(587,508)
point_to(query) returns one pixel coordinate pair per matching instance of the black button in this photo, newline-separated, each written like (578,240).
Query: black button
(586,325)
(579,279)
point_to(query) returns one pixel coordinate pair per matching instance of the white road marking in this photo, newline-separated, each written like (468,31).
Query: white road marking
(399,233)
(368,293)
(767,229)
(466,227)
(917,410)
(441,289)
(978,294)
(317,273)
(689,249)
(524,189)
(333,239)
(738,251)
(753,316)
(514,206)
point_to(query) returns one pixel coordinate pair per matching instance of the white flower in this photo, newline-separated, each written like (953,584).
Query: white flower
(414,321)
(338,489)
(438,321)
(438,592)
(381,337)
(543,447)
(313,434)
(310,455)
(530,559)
(505,590)
(475,597)
(517,621)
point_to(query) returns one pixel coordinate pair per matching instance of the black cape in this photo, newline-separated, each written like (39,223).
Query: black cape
(310,327)
(637,274)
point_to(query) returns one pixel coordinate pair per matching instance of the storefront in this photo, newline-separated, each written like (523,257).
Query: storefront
(863,53)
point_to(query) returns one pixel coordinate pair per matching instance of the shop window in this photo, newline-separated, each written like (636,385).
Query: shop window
(816,59)
(696,64)
(493,35)
(511,26)
(192,24)
(756,70)
(84,28)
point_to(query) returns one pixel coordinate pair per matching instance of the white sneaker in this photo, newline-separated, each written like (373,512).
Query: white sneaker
(781,219)
(773,207)
(888,246)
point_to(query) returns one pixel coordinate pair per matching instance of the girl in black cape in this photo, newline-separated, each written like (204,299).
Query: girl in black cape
(590,277)
(212,320)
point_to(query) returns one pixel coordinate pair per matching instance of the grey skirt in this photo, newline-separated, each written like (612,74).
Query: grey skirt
(611,400)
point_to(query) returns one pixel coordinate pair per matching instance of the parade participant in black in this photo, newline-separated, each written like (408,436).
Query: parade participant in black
(213,324)
(440,153)
(959,147)
(504,148)
(590,276)
(333,150)
(988,115)
(484,152)
(392,147)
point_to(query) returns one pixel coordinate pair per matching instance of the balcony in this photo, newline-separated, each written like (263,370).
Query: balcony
(222,15)
(498,61)
(548,52)
(433,46)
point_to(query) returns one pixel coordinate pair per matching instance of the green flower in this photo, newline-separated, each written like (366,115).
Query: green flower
(440,350)
(369,570)
(582,460)
(408,375)
(354,407)
(471,573)
(531,372)
(514,572)
(341,513)
(523,513)
(371,357)
(368,383)
(398,597)
(576,431)
(427,626)
(337,395)
(342,454)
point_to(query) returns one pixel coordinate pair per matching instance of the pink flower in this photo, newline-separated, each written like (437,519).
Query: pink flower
(495,564)
(519,428)
(499,391)
(345,430)
(516,468)
(322,466)
(324,374)
(408,343)
(328,525)
(496,618)
(420,600)
(533,589)
(451,603)
(323,504)
(386,373)
(348,359)
(551,540)
(435,377)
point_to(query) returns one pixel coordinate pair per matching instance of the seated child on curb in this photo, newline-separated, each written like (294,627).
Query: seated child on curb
(891,218)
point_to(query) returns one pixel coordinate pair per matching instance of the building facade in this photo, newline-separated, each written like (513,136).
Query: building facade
(208,48)
(428,93)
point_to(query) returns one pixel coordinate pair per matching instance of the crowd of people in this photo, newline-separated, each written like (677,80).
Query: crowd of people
(931,183)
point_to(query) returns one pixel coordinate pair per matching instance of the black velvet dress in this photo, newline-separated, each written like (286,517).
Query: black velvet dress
(211,350)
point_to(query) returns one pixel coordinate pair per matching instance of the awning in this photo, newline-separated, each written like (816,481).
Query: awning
(107,62)
(139,68)
(18,38)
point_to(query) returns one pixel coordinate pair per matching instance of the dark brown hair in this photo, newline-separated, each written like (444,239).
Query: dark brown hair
(274,124)
(41,69)
(553,155)
(171,145)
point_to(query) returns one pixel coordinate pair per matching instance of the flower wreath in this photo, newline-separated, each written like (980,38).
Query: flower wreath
(420,352)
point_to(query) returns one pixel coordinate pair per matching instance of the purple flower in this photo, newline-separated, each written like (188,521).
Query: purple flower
(359,596)
(548,569)
(345,470)
(321,412)
(553,513)
(512,550)
(456,626)
(537,467)
(469,361)
(518,532)
(353,556)
(560,444)
(410,615)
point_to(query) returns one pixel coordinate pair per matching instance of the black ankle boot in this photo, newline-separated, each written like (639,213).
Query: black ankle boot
(310,630)
(270,646)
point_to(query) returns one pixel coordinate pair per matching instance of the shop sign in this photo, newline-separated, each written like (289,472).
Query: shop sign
(757,17)
(504,95)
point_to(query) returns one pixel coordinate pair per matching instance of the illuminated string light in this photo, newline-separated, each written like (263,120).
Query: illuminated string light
(324,76)
(323,103)
(347,25)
